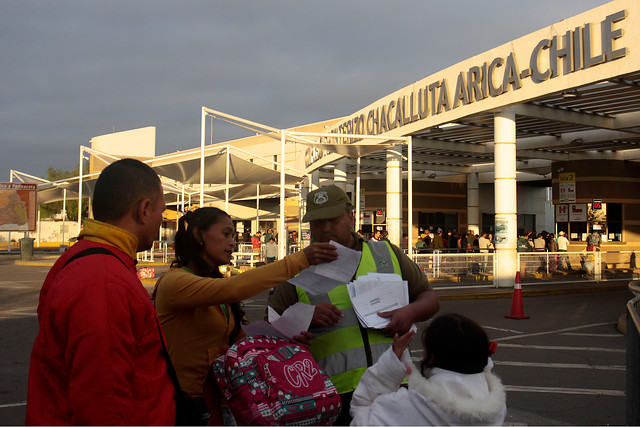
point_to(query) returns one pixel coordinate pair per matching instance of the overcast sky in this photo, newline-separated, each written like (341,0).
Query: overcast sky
(72,70)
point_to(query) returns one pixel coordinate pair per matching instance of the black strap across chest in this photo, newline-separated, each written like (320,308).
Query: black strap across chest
(97,250)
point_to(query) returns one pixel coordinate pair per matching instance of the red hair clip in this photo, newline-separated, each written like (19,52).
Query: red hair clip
(493,346)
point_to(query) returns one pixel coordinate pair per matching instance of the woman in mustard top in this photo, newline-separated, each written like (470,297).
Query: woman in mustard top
(199,309)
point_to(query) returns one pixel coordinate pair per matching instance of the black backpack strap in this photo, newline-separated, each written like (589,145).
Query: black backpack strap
(170,369)
(103,251)
(93,251)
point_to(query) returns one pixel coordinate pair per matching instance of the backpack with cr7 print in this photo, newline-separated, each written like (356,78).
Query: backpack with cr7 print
(271,381)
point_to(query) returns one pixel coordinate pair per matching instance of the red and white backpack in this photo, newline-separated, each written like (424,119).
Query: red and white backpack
(271,381)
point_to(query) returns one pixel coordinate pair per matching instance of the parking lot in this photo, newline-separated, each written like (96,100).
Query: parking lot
(564,365)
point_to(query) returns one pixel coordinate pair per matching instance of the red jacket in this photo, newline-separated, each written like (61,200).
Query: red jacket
(97,358)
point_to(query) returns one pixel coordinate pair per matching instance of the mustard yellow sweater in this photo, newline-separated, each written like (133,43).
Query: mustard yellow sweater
(195,325)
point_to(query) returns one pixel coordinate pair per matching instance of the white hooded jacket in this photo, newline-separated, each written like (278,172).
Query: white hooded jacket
(444,398)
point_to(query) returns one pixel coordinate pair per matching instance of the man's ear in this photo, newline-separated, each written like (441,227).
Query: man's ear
(352,218)
(143,211)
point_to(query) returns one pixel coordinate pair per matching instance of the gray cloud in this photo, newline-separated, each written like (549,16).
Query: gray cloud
(72,70)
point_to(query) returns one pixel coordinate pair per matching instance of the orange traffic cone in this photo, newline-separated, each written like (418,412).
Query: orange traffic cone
(517,311)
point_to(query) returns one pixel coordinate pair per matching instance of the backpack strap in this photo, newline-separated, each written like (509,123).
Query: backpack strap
(93,251)
(98,250)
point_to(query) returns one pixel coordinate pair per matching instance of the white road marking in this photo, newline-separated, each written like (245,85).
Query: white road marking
(17,285)
(561,365)
(11,282)
(503,330)
(5,314)
(560,347)
(561,390)
(576,334)
(11,405)
(556,331)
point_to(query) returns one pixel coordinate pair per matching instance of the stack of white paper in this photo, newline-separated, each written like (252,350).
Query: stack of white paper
(377,292)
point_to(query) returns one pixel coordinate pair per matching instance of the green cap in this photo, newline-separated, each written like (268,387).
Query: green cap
(326,203)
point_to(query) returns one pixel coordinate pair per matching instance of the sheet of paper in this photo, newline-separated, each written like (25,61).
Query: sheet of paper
(368,305)
(343,268)
(383,277)
(294,319)
(373,293)
(262,328)
(313,283)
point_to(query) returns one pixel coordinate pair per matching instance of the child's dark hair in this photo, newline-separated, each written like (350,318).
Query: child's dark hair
(455,343)
(188,248)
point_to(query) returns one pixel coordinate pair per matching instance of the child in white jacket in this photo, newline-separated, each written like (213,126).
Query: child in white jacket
(454,387)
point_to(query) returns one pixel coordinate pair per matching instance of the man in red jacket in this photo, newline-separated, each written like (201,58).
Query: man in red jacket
(98,355)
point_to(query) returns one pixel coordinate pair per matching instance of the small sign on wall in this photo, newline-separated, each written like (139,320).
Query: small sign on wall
(562,213)
(504,224)
(567,187)
(578,212)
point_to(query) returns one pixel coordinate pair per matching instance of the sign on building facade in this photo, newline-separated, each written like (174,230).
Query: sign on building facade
(18,205)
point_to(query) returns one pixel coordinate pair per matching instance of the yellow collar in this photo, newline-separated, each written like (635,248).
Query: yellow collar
(101,232)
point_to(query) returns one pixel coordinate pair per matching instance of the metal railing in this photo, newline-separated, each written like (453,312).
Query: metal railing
(456,267)
(159,248)
(633,356)
(479,267)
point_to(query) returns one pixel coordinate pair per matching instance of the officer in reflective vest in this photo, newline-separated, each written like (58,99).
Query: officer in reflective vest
(342,347)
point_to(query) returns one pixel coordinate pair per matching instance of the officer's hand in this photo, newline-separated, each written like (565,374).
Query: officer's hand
(317,253)
(401,320)
(326,315)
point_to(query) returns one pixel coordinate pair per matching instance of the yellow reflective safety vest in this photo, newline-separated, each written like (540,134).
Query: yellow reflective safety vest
(340,350)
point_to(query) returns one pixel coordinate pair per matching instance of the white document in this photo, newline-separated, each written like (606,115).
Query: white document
(322,278)
(294,320)
(374,293)
(313,283)
(261,327)
(369,304)
(343,268)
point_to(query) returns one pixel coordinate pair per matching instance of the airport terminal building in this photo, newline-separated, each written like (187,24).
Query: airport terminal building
(541,133)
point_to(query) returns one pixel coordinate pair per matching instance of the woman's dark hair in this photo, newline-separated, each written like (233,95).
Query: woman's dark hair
(188,248)
(455,343)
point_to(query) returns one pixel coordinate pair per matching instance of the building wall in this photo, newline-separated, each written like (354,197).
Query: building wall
(611,181)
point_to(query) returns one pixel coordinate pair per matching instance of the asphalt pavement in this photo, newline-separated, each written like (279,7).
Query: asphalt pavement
(565,365)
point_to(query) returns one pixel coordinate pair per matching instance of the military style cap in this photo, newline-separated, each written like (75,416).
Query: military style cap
(326,203)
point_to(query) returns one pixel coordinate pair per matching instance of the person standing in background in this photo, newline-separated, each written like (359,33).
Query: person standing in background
(272,251)
(563,245)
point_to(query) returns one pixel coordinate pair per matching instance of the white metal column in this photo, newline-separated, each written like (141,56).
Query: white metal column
(357,196)
(257,209)
(80,193)
(410,194)
(315,180)
(473,203)
(64,214)
(394,194)
(226,188)
(340,174)
(506,256)
(202,132)
(282,240)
